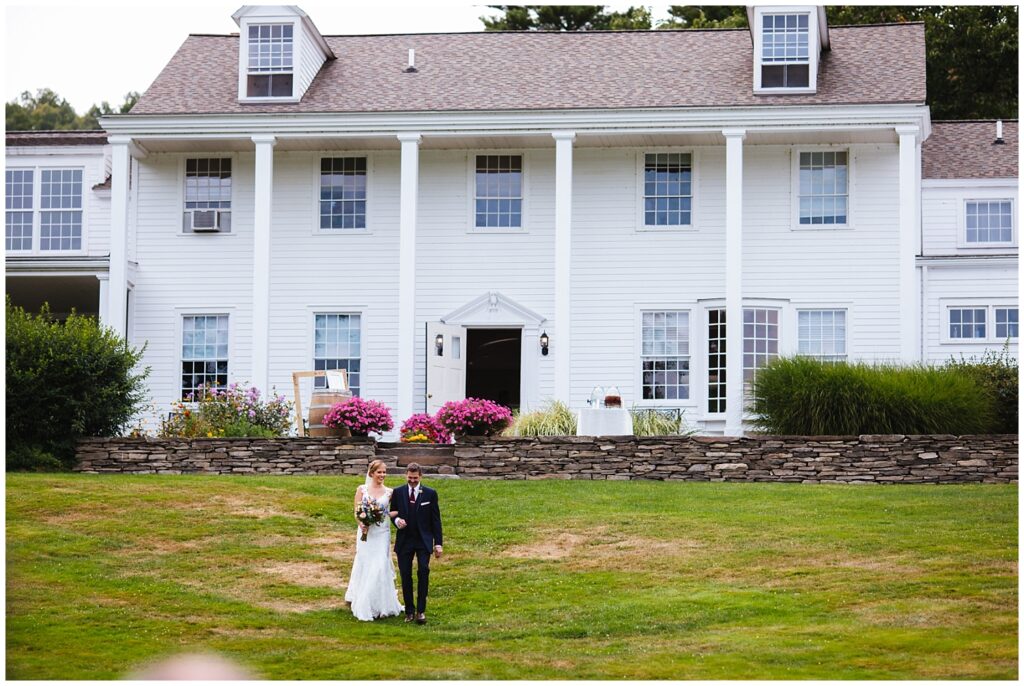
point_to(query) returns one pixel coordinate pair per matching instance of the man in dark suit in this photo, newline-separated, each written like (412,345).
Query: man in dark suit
(418,520)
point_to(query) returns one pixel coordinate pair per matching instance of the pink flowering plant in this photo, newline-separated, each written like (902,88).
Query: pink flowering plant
(422,428)
(232,411)
(361,417)
(474,417)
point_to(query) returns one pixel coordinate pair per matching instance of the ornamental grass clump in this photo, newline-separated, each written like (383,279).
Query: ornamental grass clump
(361,417)
(230,412)
(556,419)
(423,428)
(809,397)
(651,422)
(474,417)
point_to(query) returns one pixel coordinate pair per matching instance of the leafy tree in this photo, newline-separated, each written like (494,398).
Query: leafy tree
(65,380)
(565,18)
(47,111)
(705,17)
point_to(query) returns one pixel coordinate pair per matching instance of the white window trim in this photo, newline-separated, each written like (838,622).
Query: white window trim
(190,311)
(804,307)
(313,310)
(243,58)
(641,218)
(813,48)
(371,162)
(688,404)
(37,218)
(961,232)
(471,226)
(990,305)
(700,374)
(851,175)
(212,235)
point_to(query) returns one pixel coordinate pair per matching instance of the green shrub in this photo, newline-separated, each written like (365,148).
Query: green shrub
(651,422)
(998,374)
(556,419)
(804,396)
(65,380)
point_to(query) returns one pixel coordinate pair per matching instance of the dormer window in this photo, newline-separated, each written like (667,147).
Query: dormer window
(270,62)
(785,51)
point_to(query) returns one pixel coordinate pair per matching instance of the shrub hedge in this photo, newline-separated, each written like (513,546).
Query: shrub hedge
(805,396)
(65,380)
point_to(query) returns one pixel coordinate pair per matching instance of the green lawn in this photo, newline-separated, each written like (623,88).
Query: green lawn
(541,580)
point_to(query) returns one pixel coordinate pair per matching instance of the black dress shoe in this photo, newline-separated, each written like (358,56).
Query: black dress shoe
(409,618)
(421,618)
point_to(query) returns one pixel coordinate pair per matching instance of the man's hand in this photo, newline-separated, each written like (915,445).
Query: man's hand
(437,551)
(399,522)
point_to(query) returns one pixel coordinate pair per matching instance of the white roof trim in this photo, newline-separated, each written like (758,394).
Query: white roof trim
(493,307)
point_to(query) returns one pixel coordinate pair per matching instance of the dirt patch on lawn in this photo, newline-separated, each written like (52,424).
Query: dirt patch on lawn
(335,546)
(249,508)
(556,546)
(306,573)
(597,548)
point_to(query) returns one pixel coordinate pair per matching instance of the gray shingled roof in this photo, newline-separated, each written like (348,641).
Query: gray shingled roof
(23,138)
(548,70)
(965,150)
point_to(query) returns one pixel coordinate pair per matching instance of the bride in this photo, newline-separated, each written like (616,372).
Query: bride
(371,589)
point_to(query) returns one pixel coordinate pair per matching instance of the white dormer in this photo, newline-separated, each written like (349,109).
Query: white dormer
(280,52)
(788,40)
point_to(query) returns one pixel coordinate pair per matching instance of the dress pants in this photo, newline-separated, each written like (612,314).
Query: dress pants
(422,578)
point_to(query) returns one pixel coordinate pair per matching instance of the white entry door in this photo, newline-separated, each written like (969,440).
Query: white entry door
(446,364)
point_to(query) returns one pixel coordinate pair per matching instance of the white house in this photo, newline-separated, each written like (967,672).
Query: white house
(969,254)
(524,216)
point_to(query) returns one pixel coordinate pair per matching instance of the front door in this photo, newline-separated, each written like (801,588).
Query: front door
(446,364)
(494,365)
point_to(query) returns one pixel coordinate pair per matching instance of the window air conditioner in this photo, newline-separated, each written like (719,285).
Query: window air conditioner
(205,221)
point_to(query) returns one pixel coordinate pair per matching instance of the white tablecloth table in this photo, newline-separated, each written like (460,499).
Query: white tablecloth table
(604,421)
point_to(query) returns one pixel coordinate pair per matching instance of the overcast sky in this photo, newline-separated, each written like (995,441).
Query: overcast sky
(93,52)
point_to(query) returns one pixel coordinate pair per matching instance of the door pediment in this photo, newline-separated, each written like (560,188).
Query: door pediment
(493,309)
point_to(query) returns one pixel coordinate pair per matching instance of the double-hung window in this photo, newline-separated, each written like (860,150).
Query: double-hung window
(988,222)
(204,353)
(1007,323)
(207,195)
(785,51)
(668,189)
(824,188)
(336,345)
(343,193)
(270,63)
(58,220)
(822,334)
(665,355)
(499,192)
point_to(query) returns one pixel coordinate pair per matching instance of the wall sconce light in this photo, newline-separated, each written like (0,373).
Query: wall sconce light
(439,345)
(544,343)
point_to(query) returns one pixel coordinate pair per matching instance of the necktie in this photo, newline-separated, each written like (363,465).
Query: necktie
(412,496)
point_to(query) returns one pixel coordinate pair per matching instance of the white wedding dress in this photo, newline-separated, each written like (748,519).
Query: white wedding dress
(371,588)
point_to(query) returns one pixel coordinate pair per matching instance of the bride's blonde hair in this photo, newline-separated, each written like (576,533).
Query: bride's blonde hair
(374,465)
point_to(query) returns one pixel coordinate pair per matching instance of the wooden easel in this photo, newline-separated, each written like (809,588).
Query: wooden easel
(299,424)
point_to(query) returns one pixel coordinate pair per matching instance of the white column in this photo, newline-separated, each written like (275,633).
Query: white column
(104,280)
(263,206)
(561,341)
(117,289)
(734,281)
(409,196)
(909,242)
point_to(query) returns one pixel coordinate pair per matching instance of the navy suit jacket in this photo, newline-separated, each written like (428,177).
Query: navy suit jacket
(426,513)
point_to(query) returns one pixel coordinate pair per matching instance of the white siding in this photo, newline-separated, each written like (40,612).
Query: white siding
(95,203)
(308,61)
(942,215)
(188,273)
(966,285)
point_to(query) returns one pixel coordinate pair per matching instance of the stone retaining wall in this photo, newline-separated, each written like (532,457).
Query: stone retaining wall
(852,459)
(858,459)
(225,455)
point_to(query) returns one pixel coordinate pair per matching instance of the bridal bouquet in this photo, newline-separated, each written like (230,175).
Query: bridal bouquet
(370,512)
